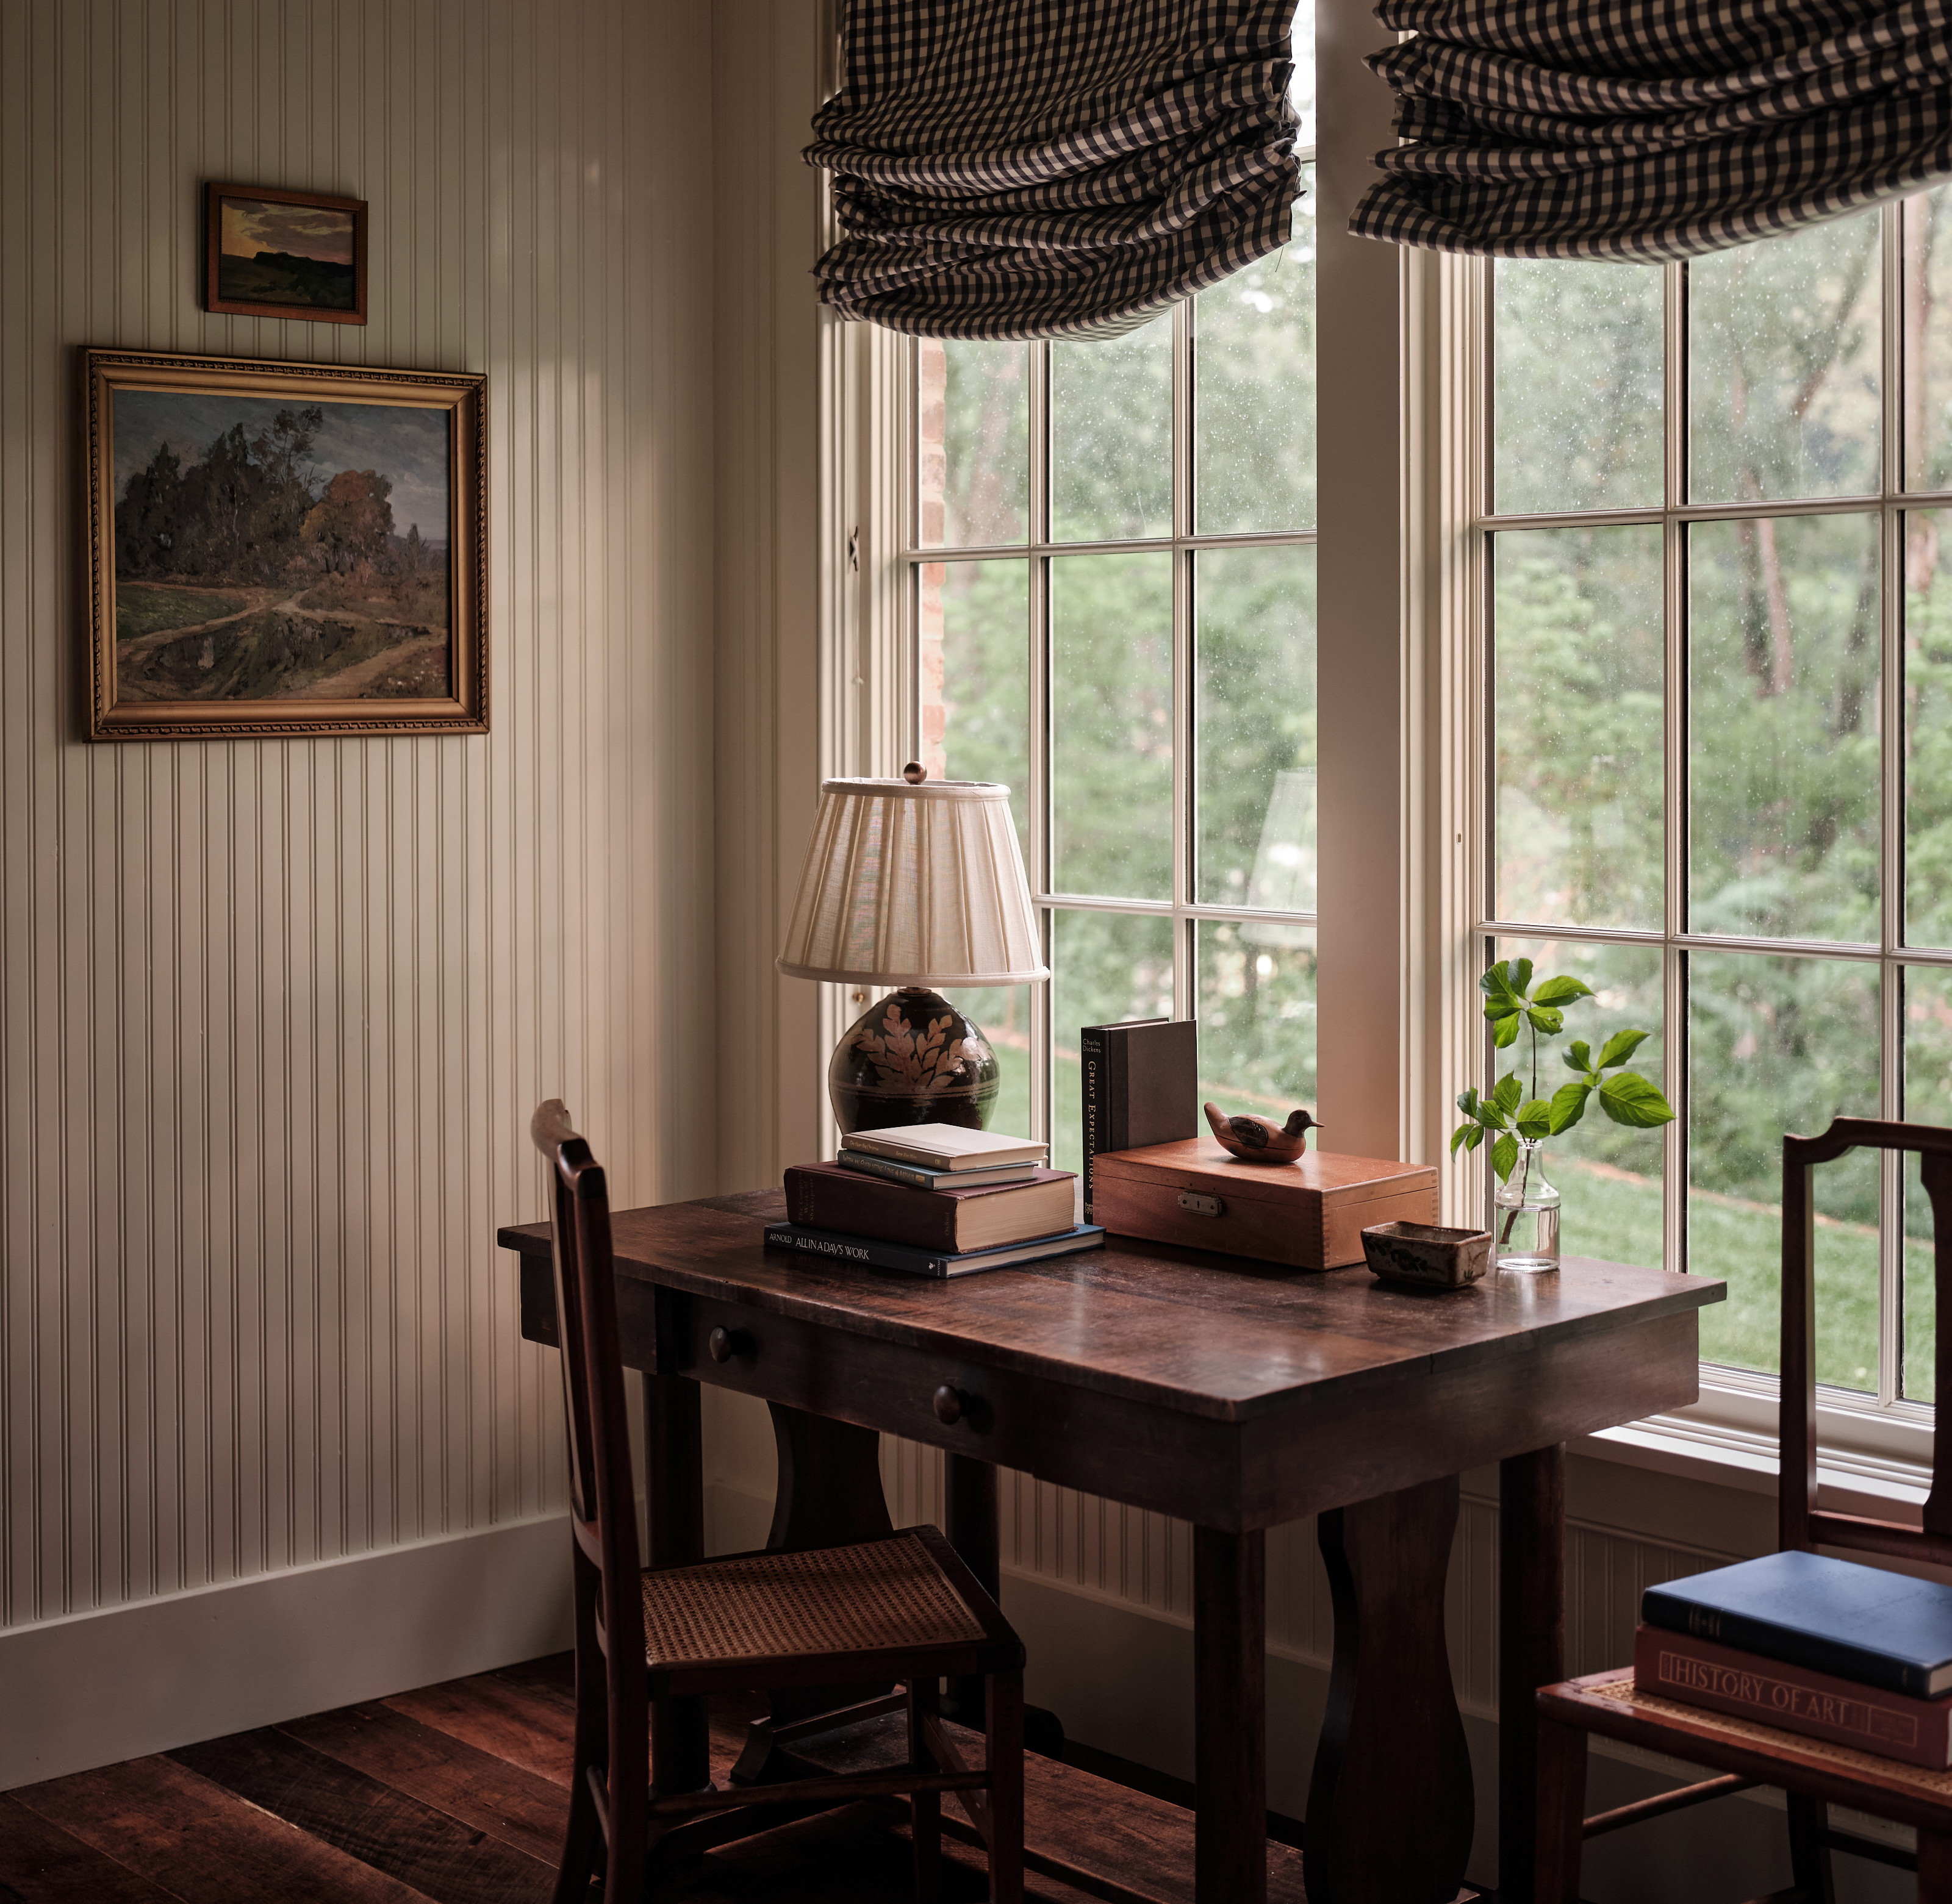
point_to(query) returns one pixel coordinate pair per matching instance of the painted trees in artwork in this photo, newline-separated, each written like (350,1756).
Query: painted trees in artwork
(255,508)
(352,522)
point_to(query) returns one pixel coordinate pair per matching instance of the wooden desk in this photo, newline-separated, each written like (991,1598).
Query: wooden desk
(1233,1395)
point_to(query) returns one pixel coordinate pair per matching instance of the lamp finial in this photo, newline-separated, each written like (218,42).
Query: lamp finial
(914,773)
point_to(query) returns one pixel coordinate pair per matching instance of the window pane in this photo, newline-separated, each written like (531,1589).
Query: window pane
(1783,720)
(1927,1100)
(1104,967)
(1253,414)
(1775,1045)
(1111,436)
(1254,710)
(1609,1176)
(1257,1017)
(1783,370)
(1577,409)
(1577,688)
(975,671)
(1111,725)
(974,459)
(1928,292)
(1002,1013)
(1928,723)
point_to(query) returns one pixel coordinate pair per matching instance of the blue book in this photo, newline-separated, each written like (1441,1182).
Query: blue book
(1832,1616)
(927,1262)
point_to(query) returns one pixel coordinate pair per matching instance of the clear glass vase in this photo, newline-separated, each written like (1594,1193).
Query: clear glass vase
(1525,1216)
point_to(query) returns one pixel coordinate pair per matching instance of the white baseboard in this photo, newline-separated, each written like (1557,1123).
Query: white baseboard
(102,1687)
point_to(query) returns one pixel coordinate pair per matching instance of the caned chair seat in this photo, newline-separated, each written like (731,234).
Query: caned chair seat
(1606,1702)
(876,1596)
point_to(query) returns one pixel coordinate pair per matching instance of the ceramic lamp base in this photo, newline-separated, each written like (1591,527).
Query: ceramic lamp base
(911,1057)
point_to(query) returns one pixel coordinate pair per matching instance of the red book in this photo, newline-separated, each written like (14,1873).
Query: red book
(1697,1672)
(985,1216)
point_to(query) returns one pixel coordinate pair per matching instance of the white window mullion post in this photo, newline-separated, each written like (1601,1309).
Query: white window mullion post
(1042,1125)
(1184,793)
(1674,796)
(1891,688)
(1446,377)
(1364,1020)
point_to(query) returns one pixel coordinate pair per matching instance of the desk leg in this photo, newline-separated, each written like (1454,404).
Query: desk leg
(829,1493)
(970,1510)
(1230,1622)
(674,1448)
(1390,1804)
(1531,1644)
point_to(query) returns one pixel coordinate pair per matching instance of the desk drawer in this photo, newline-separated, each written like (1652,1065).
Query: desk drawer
(1076,1436)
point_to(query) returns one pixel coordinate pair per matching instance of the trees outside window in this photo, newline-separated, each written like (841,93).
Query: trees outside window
(1720,631)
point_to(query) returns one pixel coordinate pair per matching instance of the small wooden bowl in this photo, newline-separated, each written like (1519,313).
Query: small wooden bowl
(1427,1254)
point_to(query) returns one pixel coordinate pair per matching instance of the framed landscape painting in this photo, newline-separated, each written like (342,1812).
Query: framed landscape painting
(273,254)
(283,548)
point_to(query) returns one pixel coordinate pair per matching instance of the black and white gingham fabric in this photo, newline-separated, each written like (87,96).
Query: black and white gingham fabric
(1653,128)
(1053,168)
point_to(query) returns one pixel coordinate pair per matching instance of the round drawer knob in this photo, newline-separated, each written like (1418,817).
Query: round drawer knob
(949,1405)
(723,1344)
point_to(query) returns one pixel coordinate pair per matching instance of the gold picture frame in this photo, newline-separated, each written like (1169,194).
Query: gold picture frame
(248,576)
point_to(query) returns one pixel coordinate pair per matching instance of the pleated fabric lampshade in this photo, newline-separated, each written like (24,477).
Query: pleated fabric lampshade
(914,883)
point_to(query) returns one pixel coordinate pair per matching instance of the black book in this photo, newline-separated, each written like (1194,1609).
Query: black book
(1860,1623)
(1141,1086)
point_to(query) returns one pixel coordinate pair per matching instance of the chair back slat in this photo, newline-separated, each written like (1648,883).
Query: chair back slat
(603,1488)
(1799,1522)
(1935,1166)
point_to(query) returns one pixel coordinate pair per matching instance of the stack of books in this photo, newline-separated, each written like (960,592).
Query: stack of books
(933,1200)
(1825,1648)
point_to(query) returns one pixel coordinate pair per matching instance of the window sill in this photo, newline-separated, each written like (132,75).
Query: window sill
(1867,1463)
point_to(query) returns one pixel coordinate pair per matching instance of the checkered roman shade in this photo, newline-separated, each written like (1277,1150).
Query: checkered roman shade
(1052,168)
(1653,128)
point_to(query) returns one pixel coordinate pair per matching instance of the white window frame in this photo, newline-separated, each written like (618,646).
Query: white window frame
(1402,378)
(1877,1445)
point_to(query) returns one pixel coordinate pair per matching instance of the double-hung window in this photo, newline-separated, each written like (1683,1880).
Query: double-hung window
(1110,568)
(1718,758)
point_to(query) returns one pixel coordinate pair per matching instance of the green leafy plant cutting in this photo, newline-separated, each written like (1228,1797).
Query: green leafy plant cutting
(1513,1005)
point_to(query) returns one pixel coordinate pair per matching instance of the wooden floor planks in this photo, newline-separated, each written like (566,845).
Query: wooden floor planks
(457,1794)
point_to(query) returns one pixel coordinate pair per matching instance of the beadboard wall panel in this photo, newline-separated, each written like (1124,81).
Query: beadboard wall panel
(274,1015)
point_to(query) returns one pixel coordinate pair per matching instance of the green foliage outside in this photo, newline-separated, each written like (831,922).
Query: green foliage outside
(1781,666)
(1111,706)
(1782,669)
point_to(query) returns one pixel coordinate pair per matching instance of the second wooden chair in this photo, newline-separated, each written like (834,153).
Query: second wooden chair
(1813,1775)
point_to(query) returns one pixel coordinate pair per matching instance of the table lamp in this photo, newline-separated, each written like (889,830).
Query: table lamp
(914,883)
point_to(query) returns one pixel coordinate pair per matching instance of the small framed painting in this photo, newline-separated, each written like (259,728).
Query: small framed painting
(273,254)
(283,548)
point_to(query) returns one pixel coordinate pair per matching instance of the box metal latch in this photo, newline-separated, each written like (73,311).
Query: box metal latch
(1201,1206)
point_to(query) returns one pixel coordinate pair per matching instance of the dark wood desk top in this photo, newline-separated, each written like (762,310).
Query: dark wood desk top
(1218,1336)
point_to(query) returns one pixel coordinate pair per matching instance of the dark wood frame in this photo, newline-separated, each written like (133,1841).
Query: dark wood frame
(213,299)
(1803,1770)
(463,396)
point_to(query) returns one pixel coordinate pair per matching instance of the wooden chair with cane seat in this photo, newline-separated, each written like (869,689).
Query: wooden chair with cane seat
(1811,1774)
(653,1642)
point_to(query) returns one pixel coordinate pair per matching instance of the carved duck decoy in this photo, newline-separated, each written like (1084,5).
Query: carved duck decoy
(1254,1140)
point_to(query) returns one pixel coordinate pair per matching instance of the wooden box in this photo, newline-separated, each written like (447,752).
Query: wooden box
(1310,1213)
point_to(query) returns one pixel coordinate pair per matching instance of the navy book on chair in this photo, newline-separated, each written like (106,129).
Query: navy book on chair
(1833,1616)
